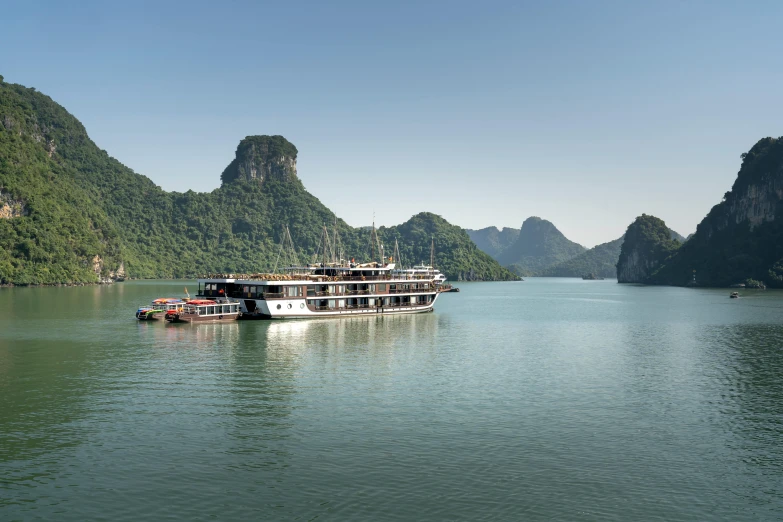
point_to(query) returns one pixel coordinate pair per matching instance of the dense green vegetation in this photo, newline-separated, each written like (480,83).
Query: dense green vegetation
(539,245)
(68,209)
(455,254)
(741,237)
(493,241)
(648,244)
(600,260)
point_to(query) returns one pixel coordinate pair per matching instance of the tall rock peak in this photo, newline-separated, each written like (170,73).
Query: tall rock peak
(262,158)
(647,245)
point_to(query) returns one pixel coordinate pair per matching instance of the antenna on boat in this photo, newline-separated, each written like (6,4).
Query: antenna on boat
(432,252)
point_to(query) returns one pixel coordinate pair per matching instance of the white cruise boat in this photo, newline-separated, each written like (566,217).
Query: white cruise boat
(423,272)
(331,291)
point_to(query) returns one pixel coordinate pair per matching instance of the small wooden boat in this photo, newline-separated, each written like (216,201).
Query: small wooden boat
(158,308)
(447,288)
(204,311)
(149,313)
(734,295)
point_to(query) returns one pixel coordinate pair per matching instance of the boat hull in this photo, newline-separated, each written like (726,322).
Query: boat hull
(195,318)
(301,309)
(141,316)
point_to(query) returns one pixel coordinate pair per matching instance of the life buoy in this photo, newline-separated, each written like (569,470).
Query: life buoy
(220,317)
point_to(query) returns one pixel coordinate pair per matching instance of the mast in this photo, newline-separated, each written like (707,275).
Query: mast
(432,253)
(327,247)
(287,250)
(335,254)
(396,258)
(372,241)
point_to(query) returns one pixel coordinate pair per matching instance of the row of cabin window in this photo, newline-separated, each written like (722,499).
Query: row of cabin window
(218,309)
(257,291)
(372,301)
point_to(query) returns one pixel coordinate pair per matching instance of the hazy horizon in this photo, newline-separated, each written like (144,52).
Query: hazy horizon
(584,115)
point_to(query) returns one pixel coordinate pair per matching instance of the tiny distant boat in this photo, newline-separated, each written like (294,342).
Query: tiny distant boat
(592,277)
(204,311)
(734,295)
(158,308)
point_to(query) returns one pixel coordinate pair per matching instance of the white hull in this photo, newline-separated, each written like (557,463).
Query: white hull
(299,309)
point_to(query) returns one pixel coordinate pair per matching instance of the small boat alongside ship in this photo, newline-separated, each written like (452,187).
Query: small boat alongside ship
(204,311)
(159,308)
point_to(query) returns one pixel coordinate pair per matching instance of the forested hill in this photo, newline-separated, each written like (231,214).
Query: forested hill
(539,245)
(741,238)
(600,260)
(492,240)
(71,213)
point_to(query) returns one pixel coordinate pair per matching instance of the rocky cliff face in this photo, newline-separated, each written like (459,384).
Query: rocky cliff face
(11,208)
(757,194)
(647,245)
(742,236)
(262,158)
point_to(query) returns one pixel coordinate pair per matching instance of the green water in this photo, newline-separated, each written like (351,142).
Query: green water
(543,400)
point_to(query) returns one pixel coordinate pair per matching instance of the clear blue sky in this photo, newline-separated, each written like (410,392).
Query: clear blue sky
(584,113)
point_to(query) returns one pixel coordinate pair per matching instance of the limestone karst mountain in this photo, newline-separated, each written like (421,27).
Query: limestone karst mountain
(69,212)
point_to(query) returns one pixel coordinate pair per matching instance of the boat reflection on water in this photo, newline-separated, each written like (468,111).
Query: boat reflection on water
(374,333)
(196,335)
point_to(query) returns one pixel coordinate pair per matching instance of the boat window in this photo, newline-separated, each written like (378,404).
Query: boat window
(381,287)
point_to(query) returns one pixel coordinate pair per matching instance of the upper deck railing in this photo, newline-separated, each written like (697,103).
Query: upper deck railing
(313,278)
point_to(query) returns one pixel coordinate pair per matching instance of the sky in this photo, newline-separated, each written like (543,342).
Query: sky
(587,114)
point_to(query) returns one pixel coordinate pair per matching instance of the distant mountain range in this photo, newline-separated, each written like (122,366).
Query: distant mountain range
(540,249)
